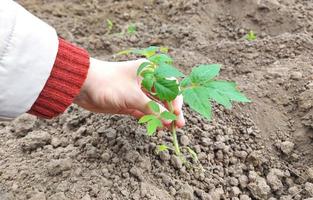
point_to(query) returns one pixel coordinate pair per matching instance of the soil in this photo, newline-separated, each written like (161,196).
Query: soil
(261,150)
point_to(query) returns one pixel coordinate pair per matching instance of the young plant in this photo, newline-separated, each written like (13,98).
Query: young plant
(163,82)
(250,36)
(131,29)
(109,25)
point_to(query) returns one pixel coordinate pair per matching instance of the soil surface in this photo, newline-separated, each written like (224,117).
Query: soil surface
(261,150)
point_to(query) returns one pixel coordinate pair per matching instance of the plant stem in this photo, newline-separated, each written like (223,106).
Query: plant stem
(175,141)
(173,130)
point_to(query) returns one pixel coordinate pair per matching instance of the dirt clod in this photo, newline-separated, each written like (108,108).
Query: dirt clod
(259,189)
(56,167)
(176,162)
(287,147)
(186,192)
(58,196)
(184,140)
(38,196)
(34,140)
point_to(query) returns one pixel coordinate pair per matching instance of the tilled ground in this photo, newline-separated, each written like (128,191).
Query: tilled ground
(261,150)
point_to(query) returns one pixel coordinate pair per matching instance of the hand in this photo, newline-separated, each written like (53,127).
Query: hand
(114,87)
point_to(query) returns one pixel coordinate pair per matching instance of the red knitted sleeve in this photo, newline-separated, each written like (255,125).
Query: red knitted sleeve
(66,79)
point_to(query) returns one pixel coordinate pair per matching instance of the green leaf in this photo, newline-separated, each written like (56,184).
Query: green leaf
(229,90)
(142,67)
(186,82)
(146,118)
(197,99)
(131,29)
(204,73)
(109,24)
(147,52)
(148,81)
(152,126)
(251,36)
(168,116)
(222,85)
(193,154)
(168,71)
(161,148)
(150,51)
(161,58)
(125,52)
(154,106)
(219,98)
(166,90)
(164,50)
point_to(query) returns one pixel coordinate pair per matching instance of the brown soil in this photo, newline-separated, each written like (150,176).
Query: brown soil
(261,150)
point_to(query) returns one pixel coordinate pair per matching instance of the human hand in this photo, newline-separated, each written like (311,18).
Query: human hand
(114,87)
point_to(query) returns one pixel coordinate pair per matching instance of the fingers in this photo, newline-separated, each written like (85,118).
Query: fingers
(178,105)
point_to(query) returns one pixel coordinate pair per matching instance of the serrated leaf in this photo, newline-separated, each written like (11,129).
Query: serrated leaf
(186,82)
(148,81)
(150,51)
(166,90)
(197,99)
(153,125)
(168,116)
(146,118)
(219,98)
(228,89)
(168,71)
(161,58)
(154,106)
(142,67)
(161,148)
(164,50)
(224,85)
(235,95)
(204,73)
(125,52)
(147,52)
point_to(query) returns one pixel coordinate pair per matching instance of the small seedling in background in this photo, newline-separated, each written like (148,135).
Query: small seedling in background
(199,89)
(251,36)
(109,25)
(131,29)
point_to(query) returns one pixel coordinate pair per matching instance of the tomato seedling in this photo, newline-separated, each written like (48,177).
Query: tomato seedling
(163,82)
(251,36)
(131,29)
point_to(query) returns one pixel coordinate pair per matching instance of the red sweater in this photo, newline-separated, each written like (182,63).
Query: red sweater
(66,79)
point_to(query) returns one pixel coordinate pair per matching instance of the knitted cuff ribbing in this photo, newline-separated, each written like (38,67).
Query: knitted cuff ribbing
(66,79)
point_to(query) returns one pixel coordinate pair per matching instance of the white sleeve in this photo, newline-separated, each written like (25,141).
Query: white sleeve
(28,48)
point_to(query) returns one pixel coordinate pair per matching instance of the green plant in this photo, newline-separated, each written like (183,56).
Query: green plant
(251,36)
(109,25)
(163,82)
(131,29)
